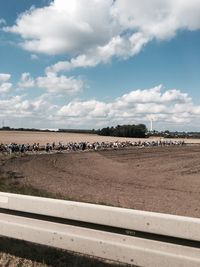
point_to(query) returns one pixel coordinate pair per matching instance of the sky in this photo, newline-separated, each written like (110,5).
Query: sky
(90,64)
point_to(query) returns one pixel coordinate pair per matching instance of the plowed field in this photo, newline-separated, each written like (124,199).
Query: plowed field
(161,179)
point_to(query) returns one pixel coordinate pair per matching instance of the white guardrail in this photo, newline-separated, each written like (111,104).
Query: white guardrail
(148,238)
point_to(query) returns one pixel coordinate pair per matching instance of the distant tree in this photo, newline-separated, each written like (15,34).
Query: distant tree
(139,130)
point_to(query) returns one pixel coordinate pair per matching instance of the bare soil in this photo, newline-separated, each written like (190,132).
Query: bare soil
(160,179)
(25,137)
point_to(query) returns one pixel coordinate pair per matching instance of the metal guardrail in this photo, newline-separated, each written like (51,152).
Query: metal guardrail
(128,236)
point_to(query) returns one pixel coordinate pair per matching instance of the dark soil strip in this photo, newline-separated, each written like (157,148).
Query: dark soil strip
(50,256)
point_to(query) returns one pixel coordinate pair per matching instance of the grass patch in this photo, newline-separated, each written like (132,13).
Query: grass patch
(6,185)
(12,186)
(15,187)
(10,182)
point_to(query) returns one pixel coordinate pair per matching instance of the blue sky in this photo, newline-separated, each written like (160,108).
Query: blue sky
(64,65)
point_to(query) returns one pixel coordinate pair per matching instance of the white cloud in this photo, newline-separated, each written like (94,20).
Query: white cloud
(4,77)
(21,111)
(26,81)
(135,106)
(154,95)
(21,107)
(94,31)
(52,83)
(82,109)
(13,106)
(74,26)
(118,46)
(159,19)
(59,84)
(5,86)
(138,106)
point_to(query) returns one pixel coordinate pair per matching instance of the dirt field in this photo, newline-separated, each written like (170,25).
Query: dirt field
(19,137)
(154,179)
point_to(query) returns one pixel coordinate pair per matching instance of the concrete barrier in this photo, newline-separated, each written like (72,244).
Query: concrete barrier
(151,222)
(109,245)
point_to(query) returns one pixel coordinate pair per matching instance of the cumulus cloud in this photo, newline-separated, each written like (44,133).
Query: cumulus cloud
(158,19)
(4,77)
(74,26)
(118,46)
(20,107)
(5,86)
(26,81)
(59,84)
(94,32)
(135,106)
(14,106)
(52,83)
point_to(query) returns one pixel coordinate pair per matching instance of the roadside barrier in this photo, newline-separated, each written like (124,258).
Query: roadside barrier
(128,236)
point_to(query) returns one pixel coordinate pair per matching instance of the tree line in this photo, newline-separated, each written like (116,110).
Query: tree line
(139,130)
(133,130)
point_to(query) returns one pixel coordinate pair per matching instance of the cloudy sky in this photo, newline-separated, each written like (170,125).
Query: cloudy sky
(96,63)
